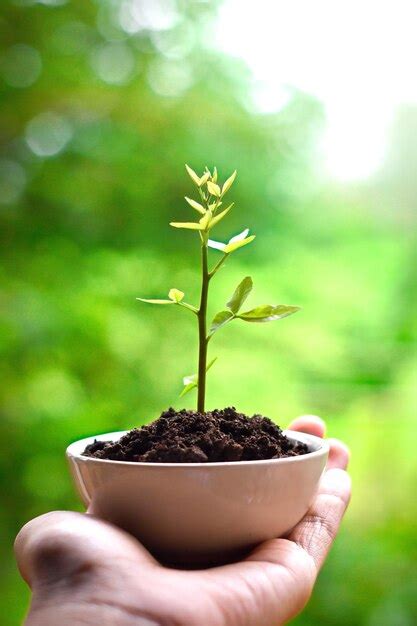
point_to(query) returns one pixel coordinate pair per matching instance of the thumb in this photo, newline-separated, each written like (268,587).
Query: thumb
(67,546)
(68,560)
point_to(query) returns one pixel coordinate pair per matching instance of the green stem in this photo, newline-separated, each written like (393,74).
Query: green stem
(202,328)
(190,307)
(217,266)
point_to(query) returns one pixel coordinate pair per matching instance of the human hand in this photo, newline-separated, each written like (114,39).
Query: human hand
(84,571)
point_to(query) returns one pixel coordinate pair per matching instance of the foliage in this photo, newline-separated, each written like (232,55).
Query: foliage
(85,230)
(211,197)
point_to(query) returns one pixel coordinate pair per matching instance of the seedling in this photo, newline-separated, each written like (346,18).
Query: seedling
(210,206)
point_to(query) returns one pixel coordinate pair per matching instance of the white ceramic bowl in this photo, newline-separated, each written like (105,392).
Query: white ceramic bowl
(200,513)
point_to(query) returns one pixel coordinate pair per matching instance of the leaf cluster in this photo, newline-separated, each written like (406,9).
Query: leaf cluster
(261,313)
(209,206)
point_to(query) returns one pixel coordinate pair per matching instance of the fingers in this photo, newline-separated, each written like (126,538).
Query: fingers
(339,454)
(275,581)
(62,546)
(317,530)
(278,572)
(310,424)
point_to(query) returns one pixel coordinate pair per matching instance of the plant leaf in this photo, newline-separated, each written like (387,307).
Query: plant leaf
(196,205)
(220,216)
(189,225)
(204,179)
(188,388)
(268,313)
(176,295)
(213,188)
(240,236)
(191,382)
(214,177)
(193,175)
(156,301)
(192,378)
(212,362)
(205,220)
(234,245)
(217,245)
(219,320)
(240,294)
(229,182)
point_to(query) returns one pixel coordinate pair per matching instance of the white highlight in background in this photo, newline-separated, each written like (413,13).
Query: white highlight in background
(356,56)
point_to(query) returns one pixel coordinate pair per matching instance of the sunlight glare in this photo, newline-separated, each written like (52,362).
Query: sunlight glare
(356,57)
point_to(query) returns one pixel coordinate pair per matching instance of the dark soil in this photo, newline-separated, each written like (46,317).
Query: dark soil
(191,437)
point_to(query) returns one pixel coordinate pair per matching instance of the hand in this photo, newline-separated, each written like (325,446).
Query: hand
(84,571)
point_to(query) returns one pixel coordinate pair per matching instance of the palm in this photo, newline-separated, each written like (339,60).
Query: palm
(85,571)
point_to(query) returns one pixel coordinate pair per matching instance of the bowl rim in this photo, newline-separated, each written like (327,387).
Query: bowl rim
(73,451)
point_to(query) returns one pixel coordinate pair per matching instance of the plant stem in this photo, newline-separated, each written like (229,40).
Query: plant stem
(202,328)
(217,266)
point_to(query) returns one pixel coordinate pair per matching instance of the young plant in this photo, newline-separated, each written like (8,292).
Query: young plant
(210,207)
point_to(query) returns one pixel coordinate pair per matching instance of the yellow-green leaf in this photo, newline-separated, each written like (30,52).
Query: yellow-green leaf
(196,205)
(212,362)
(213,188)
(235,245)
(191,382)
(192,175)
(205,220)
(204,179)
(219,320)
(189,225)
(240,294)
(229,182)
(176,295)
(188,388)
(156,301)
(220,216)
(214,177)
(268,313)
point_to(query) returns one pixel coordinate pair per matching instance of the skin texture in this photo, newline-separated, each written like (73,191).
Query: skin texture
(83,571)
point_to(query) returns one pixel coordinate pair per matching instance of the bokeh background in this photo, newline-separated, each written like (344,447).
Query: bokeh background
(315,105)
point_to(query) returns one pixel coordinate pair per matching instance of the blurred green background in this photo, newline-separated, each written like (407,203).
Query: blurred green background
(101,105)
